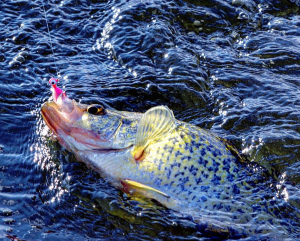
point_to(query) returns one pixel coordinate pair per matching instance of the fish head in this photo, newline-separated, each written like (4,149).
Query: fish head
(80,127)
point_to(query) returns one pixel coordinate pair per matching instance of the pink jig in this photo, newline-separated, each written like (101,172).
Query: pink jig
(56,92)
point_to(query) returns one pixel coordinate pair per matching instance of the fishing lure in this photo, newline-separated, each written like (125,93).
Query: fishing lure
(56,91)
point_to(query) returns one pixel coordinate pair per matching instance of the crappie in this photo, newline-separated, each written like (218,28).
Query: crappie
(182,166)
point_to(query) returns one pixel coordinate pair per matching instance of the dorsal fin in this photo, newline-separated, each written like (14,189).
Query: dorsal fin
(155,123)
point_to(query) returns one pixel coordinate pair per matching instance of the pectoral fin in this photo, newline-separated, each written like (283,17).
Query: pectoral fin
(136,186)
(154,124)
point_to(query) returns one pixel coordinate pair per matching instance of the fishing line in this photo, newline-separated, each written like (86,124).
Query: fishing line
(51,46)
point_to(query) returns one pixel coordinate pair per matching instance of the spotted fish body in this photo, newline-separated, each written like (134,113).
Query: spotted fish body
(194,169)
(188,162)
(180,165)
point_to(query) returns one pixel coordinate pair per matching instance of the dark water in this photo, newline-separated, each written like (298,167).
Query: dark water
(229,66)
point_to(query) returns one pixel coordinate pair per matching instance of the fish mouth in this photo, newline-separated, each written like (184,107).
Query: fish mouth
(61,124)
(58,122)
(51,117)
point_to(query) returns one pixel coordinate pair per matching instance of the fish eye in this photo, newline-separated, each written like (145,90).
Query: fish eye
(95,109)
(53,82)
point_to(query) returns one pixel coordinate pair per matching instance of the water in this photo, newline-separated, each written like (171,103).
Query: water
(229,66)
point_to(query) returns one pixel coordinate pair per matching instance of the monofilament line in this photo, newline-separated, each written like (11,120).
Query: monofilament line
(53,54)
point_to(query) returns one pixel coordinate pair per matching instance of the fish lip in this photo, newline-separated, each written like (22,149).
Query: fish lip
(46,118)
(50,115)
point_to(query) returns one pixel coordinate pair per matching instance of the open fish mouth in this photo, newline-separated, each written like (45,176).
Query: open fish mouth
(53,121)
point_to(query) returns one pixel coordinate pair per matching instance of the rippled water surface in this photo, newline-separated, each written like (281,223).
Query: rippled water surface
(231,67)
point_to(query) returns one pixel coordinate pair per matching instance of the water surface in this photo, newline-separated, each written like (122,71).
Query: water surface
(228,66)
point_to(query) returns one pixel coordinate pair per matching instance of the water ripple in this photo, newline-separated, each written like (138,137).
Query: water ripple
(228,66)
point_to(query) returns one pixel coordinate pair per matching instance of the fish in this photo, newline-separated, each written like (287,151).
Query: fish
(152,154)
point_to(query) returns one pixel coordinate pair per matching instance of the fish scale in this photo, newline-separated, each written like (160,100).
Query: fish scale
(180,165)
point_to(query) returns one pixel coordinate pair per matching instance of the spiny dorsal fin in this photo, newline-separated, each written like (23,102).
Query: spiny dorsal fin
(133,185)
(154,124)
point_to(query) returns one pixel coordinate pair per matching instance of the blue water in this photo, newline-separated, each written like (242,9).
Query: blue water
(231,67)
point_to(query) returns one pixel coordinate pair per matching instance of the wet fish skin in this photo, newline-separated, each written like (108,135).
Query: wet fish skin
(183,167)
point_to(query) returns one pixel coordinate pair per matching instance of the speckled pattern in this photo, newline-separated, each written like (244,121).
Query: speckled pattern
(191,161)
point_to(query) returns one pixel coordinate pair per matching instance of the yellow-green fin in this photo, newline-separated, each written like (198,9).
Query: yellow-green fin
(155,123)
(129,184)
